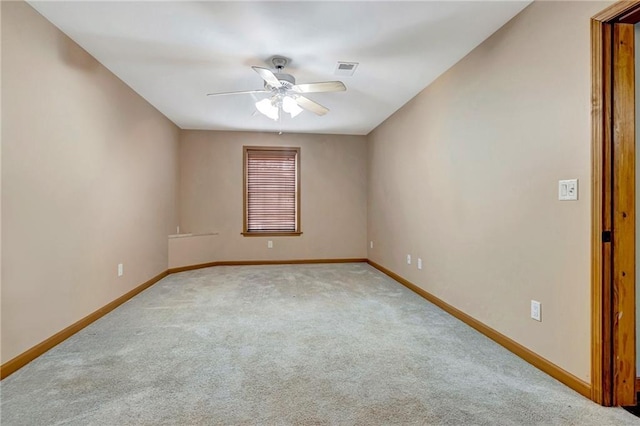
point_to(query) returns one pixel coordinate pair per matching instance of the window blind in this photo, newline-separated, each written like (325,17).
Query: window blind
(271,190)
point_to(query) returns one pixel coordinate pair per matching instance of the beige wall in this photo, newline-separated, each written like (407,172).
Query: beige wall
(465,176)
(189,250)
(333,191)
(89,172)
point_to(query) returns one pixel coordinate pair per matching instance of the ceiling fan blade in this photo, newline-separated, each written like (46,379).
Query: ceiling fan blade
(310,105)
(325,86)
(242,92)
(268,76)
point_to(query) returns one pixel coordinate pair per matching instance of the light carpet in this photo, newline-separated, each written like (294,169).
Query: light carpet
(335,344)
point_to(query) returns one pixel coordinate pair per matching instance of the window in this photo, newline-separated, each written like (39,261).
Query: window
(271,191)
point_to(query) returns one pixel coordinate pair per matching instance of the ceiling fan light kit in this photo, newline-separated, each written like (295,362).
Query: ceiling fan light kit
(267,108)
(285,93)
(290,106)
(271,107)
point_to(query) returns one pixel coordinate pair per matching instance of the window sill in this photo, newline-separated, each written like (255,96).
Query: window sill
(271,234)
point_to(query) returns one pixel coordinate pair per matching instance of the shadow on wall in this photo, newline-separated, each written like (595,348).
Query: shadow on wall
(75,56)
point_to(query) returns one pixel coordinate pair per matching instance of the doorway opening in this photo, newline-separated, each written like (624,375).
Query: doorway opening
(613,209)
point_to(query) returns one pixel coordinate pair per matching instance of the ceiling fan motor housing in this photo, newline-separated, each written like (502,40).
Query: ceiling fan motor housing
(287,80)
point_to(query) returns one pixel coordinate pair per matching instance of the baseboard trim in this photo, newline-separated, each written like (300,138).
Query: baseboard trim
(531,357)
(191,267)
(29,355)
(264,262)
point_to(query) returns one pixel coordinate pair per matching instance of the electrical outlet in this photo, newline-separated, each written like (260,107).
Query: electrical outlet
(408,259)
(120,269)
(269,244)
(370,244)
(536,310)
(419,263)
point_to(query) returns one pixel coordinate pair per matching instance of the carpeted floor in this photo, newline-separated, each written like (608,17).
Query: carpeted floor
(306,345)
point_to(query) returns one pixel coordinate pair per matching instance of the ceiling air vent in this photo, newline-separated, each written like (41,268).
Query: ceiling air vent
(346,68)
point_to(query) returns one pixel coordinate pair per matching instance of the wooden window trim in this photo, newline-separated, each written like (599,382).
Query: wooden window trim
(245,232)
(271,234)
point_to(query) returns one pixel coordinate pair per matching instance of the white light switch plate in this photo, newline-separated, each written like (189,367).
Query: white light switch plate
(408,259)
(536,310)
(568,190)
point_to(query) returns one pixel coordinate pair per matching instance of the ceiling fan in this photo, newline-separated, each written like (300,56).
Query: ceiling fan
(285,94)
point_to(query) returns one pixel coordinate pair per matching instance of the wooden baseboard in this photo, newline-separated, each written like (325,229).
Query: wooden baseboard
(263,262)
(191,267)
(536,360)
(26,357)
(531,357)
(29,355)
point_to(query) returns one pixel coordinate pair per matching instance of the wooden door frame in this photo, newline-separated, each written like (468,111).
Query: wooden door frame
(613,374)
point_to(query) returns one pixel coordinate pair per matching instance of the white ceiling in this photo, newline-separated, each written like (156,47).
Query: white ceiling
(175,52)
